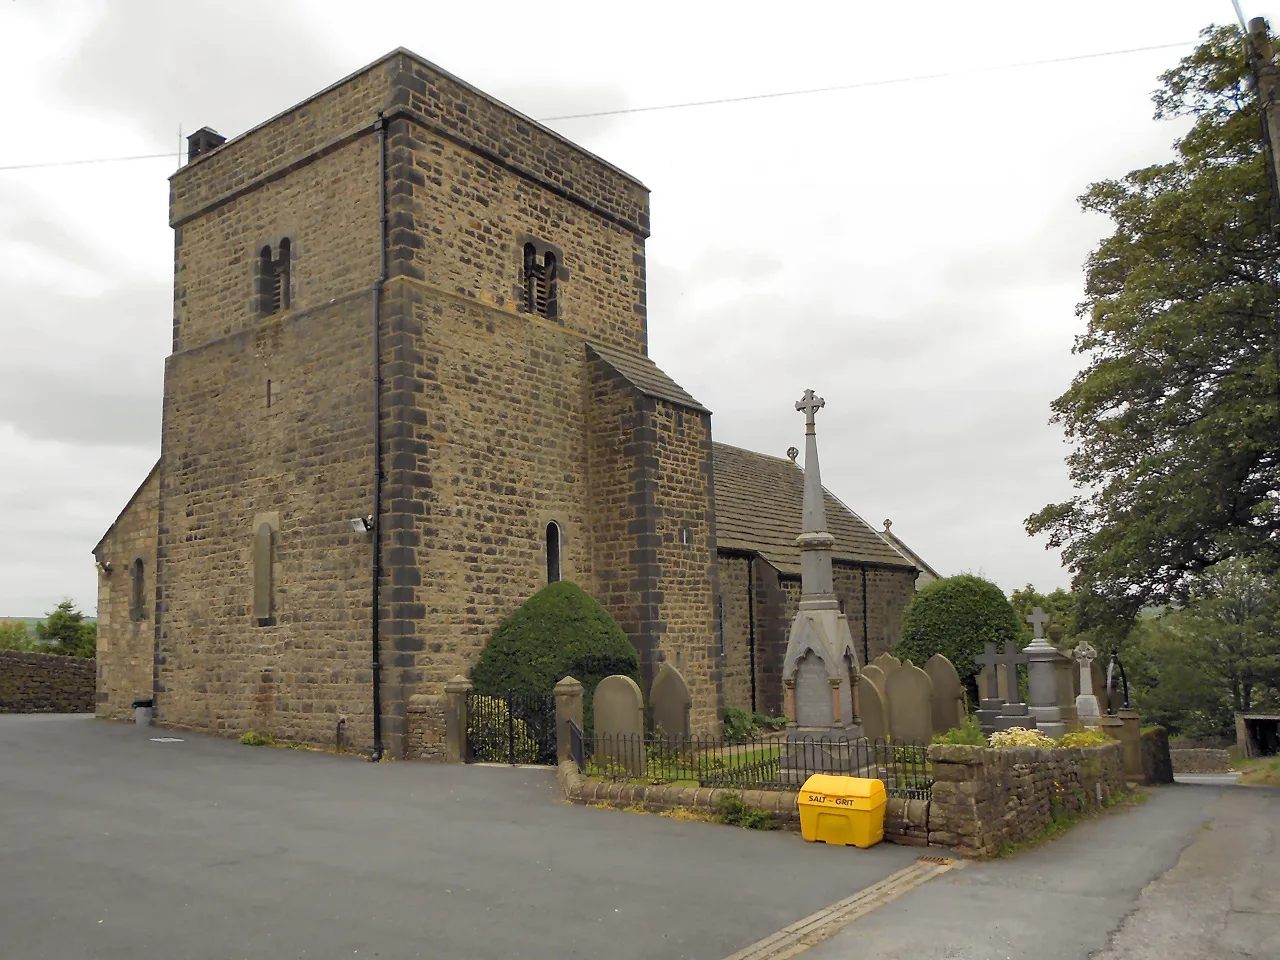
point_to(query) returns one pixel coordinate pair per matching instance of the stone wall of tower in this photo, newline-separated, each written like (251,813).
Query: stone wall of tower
(685,540)
(126,638)
(302,463)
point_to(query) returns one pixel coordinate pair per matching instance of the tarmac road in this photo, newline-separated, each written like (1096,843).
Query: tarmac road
(115,847)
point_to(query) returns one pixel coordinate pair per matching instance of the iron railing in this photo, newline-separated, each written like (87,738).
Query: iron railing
(770,762)
(512,727)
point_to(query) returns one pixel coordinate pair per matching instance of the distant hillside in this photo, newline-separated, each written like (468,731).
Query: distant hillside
(32,621)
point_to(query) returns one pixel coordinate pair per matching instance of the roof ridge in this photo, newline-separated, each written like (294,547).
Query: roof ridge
(757,453)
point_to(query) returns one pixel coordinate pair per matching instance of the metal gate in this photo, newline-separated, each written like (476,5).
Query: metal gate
(511,728)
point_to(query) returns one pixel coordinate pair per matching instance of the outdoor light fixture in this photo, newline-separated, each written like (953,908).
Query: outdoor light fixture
(362,524)
(104,566)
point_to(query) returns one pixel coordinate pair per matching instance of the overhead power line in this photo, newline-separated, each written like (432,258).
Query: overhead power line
(868,83)
(889,81)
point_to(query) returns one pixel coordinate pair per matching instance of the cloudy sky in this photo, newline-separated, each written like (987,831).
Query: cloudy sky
(911,250)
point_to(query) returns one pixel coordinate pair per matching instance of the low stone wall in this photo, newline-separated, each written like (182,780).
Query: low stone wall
(43,683)
(1157,764)
(985,798)
(426,722)
(1200,760)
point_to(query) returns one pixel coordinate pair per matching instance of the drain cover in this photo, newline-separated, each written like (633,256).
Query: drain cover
(941,860)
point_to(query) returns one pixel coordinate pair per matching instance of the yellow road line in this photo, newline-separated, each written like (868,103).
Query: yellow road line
(813,929)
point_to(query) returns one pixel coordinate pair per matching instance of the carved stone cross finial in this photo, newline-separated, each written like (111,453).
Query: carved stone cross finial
(1037,620)
(809,405)
(1084,652)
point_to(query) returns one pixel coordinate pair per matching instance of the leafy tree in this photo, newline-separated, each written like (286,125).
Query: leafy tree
(560,631)
(1194,667)
(955,617)
(1059,605)
(1176,416)
(66,633)
(15,636)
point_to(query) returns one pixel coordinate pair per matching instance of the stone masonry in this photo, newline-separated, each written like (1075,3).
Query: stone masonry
(44,683)
(126,634)
(498,418)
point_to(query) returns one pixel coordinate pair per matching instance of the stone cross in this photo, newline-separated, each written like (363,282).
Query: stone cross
(1037,620)
(1012,658)
(1085,655)
(990,659)
(810,404)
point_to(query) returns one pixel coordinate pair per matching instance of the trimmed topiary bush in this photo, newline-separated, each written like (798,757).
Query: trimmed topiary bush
(560,631)
(955,617)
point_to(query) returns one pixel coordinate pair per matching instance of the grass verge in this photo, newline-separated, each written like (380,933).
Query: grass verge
(1262,772)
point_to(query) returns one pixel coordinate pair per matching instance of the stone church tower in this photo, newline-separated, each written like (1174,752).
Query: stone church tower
(410,374)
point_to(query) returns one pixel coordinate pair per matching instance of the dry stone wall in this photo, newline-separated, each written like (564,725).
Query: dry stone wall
(426,729)
(44,683)
(1200,760)
(985,798)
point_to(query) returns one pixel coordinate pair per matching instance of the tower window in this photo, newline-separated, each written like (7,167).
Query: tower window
(540,282)
(553,552)
(273,278)
(263,581)
(137,591)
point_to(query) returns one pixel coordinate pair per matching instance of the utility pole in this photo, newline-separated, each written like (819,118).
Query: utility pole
(1267,75)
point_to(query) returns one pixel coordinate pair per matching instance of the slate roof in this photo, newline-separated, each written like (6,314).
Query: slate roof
(760,506)
(643,374)
(910,554)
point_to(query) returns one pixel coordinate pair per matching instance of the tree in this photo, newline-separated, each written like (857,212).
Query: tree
(1059,605)
(955,617)
(1194,667)
(1175,418)
(15,636)
(66,633)
(560,631)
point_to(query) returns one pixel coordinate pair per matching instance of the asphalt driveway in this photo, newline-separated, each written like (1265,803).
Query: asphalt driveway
(113,846)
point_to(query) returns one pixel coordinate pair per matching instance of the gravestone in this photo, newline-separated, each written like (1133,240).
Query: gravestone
(1042,683)
(1014,713)
(1002,682)
(1086,703)
(887,663)
(669,703)
(909,697)
(948,693)
(874,717)
(990,702)
(874,675)
(1065,676)
(619,723)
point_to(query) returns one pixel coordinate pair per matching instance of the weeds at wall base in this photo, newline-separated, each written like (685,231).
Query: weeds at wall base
(1061,823)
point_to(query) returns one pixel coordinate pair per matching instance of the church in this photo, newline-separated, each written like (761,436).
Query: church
(409,386)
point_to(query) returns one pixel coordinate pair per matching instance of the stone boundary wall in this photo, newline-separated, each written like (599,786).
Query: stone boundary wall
(905,821)
(1200,760)
(44,683)
(985,798)
(1157,763)
(426,733)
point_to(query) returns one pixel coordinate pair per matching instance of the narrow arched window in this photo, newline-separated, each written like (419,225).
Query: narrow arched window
(549,285)
(282,274)
(137,591)
(553,552)
(530,278)
(263,587)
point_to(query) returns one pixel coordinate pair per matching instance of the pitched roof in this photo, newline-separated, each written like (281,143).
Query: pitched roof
(760,506)
(907,552)
(125,509)
(643,374)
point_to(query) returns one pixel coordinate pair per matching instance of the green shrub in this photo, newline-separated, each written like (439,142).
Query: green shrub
(731,810)
(738,726)
(255,739)
(969,734)
(560,631)
(1082,738)
(955,617)
(766,722)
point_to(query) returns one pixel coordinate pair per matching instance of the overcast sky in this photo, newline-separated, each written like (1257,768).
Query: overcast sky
(912,251)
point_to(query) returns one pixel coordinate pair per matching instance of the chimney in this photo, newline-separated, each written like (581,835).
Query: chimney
(202,141)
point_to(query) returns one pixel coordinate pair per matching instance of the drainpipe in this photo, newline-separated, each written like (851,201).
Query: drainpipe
(866,635)
(751,626)
(376,531)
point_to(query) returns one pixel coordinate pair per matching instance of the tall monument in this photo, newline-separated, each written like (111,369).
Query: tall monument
(821,660)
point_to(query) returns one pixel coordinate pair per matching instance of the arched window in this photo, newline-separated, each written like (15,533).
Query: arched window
(273,278)
(553,552)
(539,282)
(137,591)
